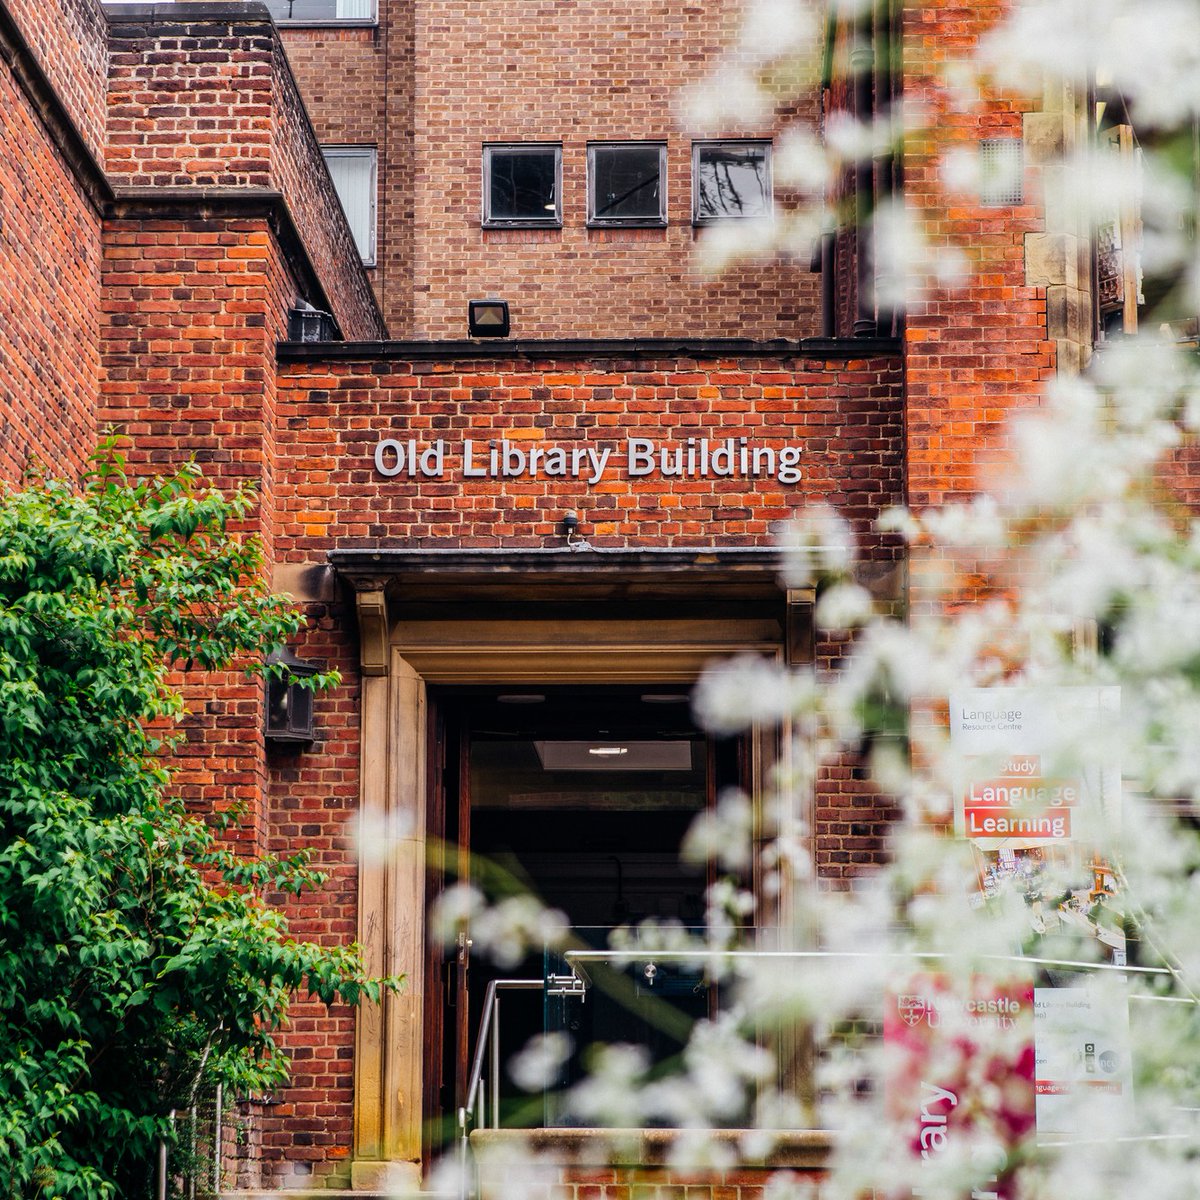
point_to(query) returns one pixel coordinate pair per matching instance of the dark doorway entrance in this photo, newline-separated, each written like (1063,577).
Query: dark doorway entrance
(581,797)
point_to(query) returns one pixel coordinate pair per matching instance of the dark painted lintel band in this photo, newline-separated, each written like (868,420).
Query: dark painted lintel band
(566,348)
(545,573)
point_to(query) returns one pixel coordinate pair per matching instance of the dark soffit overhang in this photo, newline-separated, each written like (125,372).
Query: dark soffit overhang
(813,349)
(562,573)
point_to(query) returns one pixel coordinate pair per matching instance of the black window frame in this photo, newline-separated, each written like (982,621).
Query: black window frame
(549,222)
(601,222)
(765,144)
(321,22)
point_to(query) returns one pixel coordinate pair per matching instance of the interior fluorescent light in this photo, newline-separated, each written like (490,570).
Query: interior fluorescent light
(669,754)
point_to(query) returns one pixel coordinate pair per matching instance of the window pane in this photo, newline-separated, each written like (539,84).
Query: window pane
(522,184)
(732,181)
(322,10)
(353,173)
(626,184)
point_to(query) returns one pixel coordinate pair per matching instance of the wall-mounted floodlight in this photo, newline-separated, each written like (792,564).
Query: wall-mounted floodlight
(487,318)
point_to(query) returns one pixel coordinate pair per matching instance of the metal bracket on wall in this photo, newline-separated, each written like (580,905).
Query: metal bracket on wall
(566,985)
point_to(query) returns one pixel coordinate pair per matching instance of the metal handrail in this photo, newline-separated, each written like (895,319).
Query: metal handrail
(489,1031)
(649,954)
(490,1025)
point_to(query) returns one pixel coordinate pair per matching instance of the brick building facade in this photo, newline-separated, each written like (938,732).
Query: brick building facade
(166,207)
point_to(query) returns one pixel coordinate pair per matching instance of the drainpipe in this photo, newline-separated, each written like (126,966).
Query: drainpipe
(862,64)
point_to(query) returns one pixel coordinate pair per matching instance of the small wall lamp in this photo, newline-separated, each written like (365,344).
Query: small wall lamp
(289,704)
(309,324)
(487,318)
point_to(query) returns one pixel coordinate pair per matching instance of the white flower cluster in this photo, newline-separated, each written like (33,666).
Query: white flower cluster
(505,932)
(1081,560)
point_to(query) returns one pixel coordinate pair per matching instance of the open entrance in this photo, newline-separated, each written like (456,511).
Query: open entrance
(582,797)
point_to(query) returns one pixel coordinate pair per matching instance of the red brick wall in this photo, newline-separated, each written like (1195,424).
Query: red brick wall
(357,85)
(973,353)
(67,37)
(194,310)
(312,802)
(192,314)
(545,71)
(49,297)
(333,413)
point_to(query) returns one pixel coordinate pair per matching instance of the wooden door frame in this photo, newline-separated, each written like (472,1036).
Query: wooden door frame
(398,660)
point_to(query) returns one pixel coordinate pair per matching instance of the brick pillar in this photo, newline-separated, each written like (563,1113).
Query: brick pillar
(974,354)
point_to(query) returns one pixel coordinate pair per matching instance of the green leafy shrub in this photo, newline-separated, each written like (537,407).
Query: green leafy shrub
(138,962)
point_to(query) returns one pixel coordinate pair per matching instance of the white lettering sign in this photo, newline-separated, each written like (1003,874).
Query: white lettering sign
(691,458)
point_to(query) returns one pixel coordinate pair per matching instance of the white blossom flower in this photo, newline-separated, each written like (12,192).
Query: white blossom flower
(538,1064)
(844,606)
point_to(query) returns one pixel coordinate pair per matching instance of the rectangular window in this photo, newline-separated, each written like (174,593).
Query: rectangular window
(353,172)
(318,12)
(730,181)
(522,185)
(627,183)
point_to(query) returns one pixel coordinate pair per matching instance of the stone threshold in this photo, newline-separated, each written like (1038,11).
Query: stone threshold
(794,1149)
(797,1149)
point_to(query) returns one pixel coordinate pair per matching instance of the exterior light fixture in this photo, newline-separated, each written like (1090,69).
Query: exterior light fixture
(487,318)
(309,324)
(608,751)
(290,704)
(570,528)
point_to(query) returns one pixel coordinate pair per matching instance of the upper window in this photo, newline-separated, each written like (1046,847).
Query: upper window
(627,183)
(320,11)
(522,185)
(353,172)
(730,180)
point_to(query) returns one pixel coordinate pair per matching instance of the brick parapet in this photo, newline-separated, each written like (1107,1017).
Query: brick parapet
(201,97)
